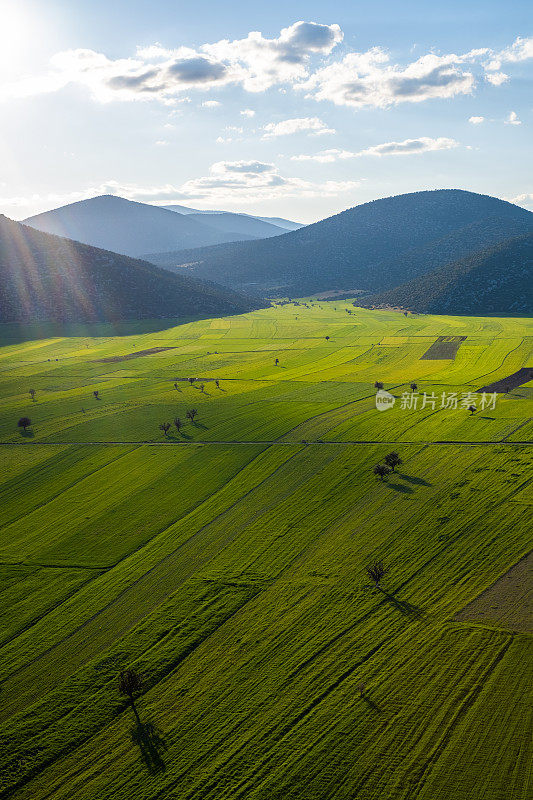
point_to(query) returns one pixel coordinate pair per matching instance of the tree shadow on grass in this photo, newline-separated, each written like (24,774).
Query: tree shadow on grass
(399,487)
(173,437)
(414,479)
(151,744)
(403,606)
(28,434)
(200,425)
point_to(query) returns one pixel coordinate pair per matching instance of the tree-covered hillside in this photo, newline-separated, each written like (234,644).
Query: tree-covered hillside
(374,246)
(494,280)
(46,277)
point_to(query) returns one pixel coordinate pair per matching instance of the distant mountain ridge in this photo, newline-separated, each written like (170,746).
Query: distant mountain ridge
(131,228)
(278,222)
(373,247)
(47,277)
(494,280)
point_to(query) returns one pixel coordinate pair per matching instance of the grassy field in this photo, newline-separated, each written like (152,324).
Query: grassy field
(225,562)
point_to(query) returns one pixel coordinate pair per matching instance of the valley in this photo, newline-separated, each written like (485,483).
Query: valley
(225,559)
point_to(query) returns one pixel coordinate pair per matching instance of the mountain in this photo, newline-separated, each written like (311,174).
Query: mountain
(278,222)
(239,226)
(46,277)
(372,247)
(127,227)
(495,280)
(287,224)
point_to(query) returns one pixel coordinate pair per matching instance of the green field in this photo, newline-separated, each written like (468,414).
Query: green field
(226,562)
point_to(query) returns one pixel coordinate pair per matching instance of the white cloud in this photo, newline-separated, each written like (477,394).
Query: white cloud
(520,50)
(242,181)
(513,119)
(298,57)
(247,112)
(161,143)
(368,79)
(525,199)
(408,147)
(311,125)
(496,78)
(476,120)
(156,72)
(211,104)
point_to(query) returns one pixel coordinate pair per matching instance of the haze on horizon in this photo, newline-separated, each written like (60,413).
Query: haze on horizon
(298,114)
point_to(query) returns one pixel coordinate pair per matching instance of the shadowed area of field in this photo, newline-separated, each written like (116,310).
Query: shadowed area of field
(508,603)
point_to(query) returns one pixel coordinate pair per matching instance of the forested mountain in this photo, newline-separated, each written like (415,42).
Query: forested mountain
(374,246)
(492,281)
(127,227)
(278,222)
(47,277)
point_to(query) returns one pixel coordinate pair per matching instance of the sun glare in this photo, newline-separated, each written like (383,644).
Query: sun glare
(15,26)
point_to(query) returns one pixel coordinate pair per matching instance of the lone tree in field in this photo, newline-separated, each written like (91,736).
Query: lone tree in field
(96,394)
(129,682)
(414,387)
(376,572)
(32,394)
(24,422)
(191,380)
(327,338)
(217,384)
(393,460)
(378,385)
(165,427)
(201,386)
(178,424)
(276,362)
(191,414)
(472,410)
(382,470)
(176,387)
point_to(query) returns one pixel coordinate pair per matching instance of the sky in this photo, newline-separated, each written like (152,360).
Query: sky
(297,110)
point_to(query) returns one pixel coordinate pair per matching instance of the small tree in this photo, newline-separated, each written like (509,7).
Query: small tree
(393,460)
(191,380)
(327,338)
(191,414)
(382,470)
(378,385)
(376,572)
(217,384)
(414,387)
(96,394)
(178,424)
(276,362)
(176,387)
(472,410)
(201,386)
(165,427)
(32,394)
(129,683)
(24,422)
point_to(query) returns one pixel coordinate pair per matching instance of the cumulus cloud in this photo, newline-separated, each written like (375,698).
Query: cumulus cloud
(368,79)
(247,112)
(525,199)
(300,57)
(496,78)
(256,62)
(513,119)
(312,125)
(424,144)
(520,50)
(242,181)
(476,120)
(211,104)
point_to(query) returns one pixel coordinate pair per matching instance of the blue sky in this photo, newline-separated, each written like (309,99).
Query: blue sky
(325,106)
